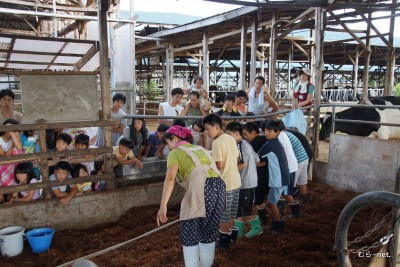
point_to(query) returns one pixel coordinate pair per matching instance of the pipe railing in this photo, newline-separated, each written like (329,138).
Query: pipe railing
(350,210)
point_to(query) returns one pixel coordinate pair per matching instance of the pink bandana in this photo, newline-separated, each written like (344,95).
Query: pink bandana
(180,132)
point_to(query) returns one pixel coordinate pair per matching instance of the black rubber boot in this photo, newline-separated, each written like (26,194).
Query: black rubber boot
(294,210)
(277,227)
(304,199)
(224,240)
(234,234)
(262,216)
(281,206)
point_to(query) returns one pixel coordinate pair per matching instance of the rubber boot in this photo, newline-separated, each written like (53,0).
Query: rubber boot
(234,234)
(262,216)
(240,227)
(304,199)
(256,228)
(294,210)
(207,251)
(281,206)
(277,227)
(191,256)
(224,240)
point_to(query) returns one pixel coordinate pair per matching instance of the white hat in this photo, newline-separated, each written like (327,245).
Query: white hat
(305,71)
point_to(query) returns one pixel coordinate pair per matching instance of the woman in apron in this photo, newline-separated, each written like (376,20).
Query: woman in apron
(201,208)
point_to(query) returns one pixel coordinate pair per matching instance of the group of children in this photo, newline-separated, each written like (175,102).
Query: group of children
(258,167)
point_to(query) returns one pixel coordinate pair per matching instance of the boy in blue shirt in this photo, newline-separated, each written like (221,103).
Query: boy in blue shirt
(155,140)
(278,171)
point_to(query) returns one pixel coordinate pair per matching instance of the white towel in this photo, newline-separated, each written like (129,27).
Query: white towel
(252,93)
(301,87)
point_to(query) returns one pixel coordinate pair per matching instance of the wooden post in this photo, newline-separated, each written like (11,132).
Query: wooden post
(205,71)
(242,78)
(171,69)
(262,61)
(355,81)
(132,58)
(390,58)
(253,59)
(318,67)
(102,7)
(44,165)
(272,56)
(367,56)
(164,82)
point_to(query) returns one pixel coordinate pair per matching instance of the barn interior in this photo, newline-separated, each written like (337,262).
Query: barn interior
(54,41)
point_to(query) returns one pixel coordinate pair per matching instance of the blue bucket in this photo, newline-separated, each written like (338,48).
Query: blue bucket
(40,239)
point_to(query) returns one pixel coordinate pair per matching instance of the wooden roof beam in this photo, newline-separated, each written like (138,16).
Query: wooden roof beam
(60,7)
(82,62)
(350,32)
(375,30)
(304,17)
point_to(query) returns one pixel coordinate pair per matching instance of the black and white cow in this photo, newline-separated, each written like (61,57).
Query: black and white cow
(366,114)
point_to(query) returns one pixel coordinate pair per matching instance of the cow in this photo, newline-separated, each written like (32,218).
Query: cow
(366,114)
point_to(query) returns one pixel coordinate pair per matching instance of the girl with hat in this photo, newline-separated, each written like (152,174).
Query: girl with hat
(202,205)
(303,89)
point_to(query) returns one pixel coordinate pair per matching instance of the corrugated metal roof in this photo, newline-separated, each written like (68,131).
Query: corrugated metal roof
(92,64)
(36,53)
(161,18)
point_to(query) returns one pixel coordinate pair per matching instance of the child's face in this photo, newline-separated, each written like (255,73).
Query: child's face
(83,173)
(176,99)
(196,128)
(271,134)
(137,124)
(61,175)
(198,84)
(212,131)
(61,145)
(240,100)
(80,146)
(248,136)
(228,104)
(123,150)
(160,135)
(118,104)
(22,178)
(235,135)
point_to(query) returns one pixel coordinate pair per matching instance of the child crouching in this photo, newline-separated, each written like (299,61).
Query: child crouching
(123,155)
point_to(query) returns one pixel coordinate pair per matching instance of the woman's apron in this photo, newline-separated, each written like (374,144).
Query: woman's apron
(193,202)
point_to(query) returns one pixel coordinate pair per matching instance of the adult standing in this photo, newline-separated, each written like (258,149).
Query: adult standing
(201,208)
(303,89)
(198,87)
(7,101)
(119,101)
(171,108)
(193,108)
(259,97)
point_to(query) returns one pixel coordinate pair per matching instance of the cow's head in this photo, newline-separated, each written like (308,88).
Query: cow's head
(326,125)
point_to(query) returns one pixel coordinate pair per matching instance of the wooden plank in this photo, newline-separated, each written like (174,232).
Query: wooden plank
(49,184)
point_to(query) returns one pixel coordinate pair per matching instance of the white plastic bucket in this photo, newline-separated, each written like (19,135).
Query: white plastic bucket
(11,241)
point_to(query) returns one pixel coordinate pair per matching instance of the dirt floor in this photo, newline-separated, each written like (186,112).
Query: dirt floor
(307,241)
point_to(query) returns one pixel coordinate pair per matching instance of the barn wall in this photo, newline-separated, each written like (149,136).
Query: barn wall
(362,164)
(42,95)
(85,211)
